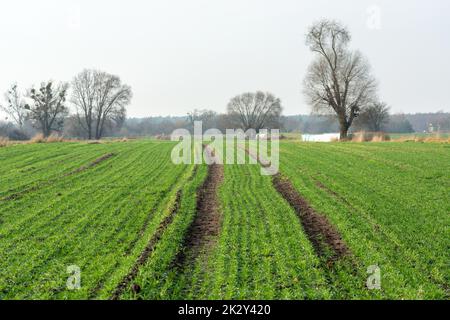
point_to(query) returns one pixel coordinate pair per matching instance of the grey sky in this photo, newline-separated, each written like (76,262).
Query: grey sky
(184,54)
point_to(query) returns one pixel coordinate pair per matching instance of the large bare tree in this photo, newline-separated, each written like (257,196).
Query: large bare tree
(339,80)
(15,107)
(100,99)
(255,110)
(48,109)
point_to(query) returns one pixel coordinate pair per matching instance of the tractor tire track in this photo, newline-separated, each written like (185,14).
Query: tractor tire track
(326,240)
(21,193)
(150,247)
(321,233)
(147,220)
(205,229)
(90,165)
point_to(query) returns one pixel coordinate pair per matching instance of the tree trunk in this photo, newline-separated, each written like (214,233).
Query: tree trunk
(97,128)
(89,131)
(45,129)
(343,131)
(100,131)
(89,125)
(46,132)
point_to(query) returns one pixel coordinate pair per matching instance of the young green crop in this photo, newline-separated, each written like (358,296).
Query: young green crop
(60,207)
(390,202)
(93,219)
(261,251)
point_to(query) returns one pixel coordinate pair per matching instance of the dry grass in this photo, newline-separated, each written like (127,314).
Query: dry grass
(364,136)
(434,139)
(381,138)
(94,142)
(4,141)
(54,138)
(291,136)
(39,138)
(162,137)
(358,137)
(107,141)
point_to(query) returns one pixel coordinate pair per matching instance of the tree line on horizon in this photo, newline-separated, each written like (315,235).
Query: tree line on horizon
(163,126)
(99,100)
(339,86)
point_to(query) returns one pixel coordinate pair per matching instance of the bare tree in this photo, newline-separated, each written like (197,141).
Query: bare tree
(84,90)
(118,118)
(207,117)
(375,117)
(16,106)
(339,80)
(100,100)
(111,98)
(48,108)
(224,122)
(255,110)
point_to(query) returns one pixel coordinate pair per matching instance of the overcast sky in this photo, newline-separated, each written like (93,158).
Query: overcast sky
(183,54)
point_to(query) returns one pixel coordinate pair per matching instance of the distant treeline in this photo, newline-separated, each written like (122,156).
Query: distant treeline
(312,124)
(397,123)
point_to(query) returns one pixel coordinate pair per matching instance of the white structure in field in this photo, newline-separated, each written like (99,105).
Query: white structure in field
(325,137)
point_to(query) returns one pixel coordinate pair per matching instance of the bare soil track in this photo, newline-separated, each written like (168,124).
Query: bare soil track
(204,230)
(319,230)
(333,193)
(19,194)
(200,236)
(92,164)
(321,233)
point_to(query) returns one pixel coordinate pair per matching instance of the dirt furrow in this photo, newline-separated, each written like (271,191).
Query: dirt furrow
(20,194)
(147,220)
(204,230)
(322,234)
(324,237)
(92,164)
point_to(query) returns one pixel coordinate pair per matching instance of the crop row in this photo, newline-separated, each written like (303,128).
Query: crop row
(390,202)
(98,219)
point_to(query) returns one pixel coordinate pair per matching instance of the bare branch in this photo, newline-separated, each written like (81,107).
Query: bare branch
(338,81)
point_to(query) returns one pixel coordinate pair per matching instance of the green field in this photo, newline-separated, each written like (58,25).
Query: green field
(390,202)
(123,214)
